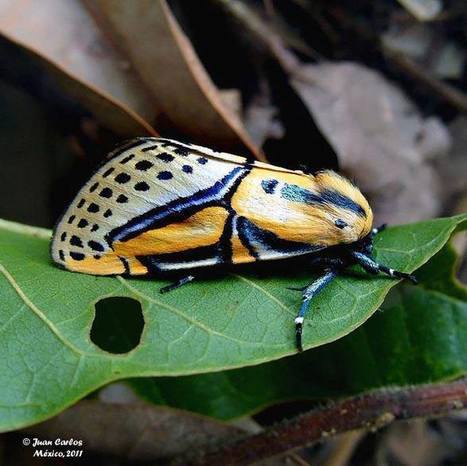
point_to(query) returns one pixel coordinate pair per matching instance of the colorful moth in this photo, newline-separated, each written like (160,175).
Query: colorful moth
(157,205)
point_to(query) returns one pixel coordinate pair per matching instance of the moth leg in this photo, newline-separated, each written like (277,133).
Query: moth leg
(308,293)
(334,263)
(371,266)
(177,284)
(330,262)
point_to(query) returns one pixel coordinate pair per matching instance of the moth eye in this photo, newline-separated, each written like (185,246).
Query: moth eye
(340,223)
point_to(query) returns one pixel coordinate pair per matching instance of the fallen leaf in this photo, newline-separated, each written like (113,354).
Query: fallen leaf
(83,61)
(423,10)
(261,119)
(415,40)
(232,99)
(417,443)
(186,97)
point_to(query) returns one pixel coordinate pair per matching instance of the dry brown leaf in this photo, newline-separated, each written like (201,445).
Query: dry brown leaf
(415,40)
(166,61)
(135,431)
(261,120)
(65,37)
(232,99)
(414,443)
(380,138)
(423,10)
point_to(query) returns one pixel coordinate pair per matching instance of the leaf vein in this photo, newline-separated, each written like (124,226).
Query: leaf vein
(181,314)
(36,310)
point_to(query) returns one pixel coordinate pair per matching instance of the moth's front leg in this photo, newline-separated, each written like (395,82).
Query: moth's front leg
(308,293)
(177,284)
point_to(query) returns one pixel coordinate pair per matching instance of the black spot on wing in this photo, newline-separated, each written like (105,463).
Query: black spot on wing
(143,165)
(63,236)
(95,246)
(269,186)
(75,241)
(122,178)
(127,159)
(122,199)
(106,192)
(164,175)
(77,256)
(108,172)
(202,160)
(187,169)
(182,151)
(141,186)
(61,254)
(93,208)
(81,203)
(71,219)
(107,213)
(95,227)
(340,223)
(93,187)
(83,223)
(145,149)
(165,157)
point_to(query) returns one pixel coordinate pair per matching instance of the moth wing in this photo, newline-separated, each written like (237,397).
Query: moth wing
(142,176)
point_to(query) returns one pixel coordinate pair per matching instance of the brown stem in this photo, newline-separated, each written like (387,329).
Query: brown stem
(370,411)
(448,93)
(403,63)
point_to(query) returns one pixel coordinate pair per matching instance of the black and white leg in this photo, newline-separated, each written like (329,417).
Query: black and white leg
(308,293)
(371,266)
(323,263)
(177,284)
(377,230)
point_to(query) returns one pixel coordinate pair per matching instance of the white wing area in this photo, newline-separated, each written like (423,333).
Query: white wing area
(148,174)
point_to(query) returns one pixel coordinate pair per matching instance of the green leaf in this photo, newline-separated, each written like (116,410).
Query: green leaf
(420,336)
(47,358)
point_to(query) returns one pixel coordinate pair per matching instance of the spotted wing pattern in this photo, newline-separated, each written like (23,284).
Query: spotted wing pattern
(157,204)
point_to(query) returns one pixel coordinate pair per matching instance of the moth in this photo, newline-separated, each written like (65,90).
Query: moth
(156,205)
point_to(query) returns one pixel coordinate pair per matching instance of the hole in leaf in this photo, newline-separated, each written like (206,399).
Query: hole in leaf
(117,325)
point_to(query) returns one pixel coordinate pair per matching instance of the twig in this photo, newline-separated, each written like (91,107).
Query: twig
(264,36)
(403,63)
(445,91)
(370,411)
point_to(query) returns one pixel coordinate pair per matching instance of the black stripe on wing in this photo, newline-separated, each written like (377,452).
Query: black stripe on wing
(181,208)
(257,240)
